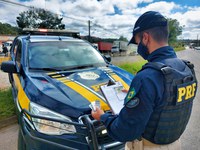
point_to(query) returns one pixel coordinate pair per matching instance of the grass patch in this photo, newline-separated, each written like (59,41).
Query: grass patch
(132,67)
(176,49)
(7,107)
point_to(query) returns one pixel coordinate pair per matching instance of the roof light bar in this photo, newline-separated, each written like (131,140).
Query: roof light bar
(57,32)
(42,30)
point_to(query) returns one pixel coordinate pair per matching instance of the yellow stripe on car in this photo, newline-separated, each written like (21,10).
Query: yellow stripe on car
(90,96)
(22,97)
(56,76)
(83,91)
(51,73)
(87,93)
(62,79)
(117,78)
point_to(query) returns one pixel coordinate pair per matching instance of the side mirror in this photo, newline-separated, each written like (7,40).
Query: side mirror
(9,67)
(107,57)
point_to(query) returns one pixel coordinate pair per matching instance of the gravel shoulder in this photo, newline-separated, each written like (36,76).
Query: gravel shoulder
(8,137)
(4,81)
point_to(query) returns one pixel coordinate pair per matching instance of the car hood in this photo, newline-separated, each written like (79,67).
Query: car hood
(71,92)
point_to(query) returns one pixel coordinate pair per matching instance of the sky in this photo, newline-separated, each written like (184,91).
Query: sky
(109,18)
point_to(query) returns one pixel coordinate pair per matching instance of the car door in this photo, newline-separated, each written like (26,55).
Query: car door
(16,57)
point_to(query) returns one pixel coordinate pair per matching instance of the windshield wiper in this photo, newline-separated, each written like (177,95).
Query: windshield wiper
(46,69)
(78,67)
(65,68)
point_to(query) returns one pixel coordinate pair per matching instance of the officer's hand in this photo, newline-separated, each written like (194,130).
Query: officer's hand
(97,114)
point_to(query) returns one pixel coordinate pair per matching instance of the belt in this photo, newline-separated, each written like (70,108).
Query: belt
(148,143)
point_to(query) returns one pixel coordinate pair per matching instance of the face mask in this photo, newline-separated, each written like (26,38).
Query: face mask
(143,50)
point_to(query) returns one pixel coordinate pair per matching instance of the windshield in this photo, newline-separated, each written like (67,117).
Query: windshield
(114,47)
(63,55)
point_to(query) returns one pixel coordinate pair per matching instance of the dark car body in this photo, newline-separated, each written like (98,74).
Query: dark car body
(52,92)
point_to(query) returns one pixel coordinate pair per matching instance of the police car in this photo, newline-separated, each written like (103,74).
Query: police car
(54,79)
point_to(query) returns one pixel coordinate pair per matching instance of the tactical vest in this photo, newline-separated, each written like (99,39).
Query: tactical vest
(167,123)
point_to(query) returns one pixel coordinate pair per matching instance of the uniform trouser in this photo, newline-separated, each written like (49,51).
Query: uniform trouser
(147,145)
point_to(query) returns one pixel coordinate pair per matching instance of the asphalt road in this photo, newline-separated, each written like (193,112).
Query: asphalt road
(8,137)
(190,139)
(4,82)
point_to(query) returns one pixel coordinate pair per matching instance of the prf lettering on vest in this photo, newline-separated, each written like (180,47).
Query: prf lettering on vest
(184,93)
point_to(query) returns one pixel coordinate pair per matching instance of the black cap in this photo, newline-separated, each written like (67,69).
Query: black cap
(149,19)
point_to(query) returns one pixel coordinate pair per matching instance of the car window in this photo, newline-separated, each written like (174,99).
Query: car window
(18,50)
(62,54)
(15,50)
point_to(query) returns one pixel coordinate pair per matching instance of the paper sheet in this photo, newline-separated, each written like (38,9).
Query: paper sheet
(114,96)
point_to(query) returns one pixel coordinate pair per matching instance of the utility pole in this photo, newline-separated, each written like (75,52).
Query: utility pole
(89,38)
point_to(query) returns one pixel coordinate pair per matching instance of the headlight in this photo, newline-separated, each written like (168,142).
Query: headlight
(47,126)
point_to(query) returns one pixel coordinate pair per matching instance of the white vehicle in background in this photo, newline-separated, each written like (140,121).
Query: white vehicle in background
(115,49)
(119,46)
(5,47)
(122,48)
(7,44)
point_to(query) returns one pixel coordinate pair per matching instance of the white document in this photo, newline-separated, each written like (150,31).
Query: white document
(114,96)
(95,104)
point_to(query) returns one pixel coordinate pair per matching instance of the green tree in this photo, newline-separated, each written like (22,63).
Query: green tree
(174,31)
(39,18)
(7,29)
(122,38)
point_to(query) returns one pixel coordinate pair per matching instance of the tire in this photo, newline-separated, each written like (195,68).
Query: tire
(21,143)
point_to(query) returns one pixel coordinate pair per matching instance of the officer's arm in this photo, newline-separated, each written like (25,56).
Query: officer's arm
(131,122)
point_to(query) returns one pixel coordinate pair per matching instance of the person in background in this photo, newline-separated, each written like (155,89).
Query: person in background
(158,104)
(5,50)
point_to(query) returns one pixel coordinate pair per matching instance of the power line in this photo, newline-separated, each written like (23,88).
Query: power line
(64,16)
(18,4)
(97,25)
(14,3)
(74,18)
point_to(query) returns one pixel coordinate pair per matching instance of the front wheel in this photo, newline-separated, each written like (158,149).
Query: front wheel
(21,144)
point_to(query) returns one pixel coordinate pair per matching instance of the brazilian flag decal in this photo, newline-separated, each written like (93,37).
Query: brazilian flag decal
(130,95)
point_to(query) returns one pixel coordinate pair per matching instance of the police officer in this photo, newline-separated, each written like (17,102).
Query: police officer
(159,102)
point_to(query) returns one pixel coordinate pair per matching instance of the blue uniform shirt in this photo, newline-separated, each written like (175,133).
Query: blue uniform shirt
(146,91)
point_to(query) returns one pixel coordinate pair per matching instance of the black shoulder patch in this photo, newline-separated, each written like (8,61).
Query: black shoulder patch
(132,102)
